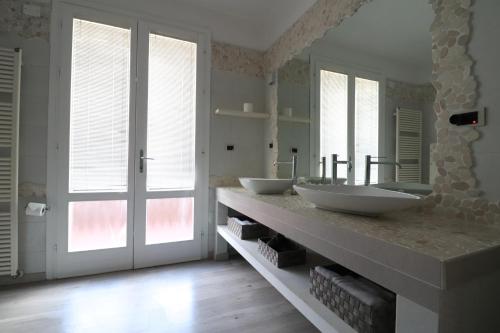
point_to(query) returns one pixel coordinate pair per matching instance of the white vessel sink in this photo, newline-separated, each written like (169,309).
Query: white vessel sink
(414,188)
(360,200)
(266,186)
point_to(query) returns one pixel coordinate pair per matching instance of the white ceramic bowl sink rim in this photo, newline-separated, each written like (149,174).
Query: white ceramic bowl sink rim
(415,188)
(360,191)
(266,185)
(360,200)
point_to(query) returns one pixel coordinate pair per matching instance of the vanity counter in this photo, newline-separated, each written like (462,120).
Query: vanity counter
(415,255)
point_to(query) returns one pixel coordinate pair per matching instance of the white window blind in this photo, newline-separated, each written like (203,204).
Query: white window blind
(366,129)
(333,115)
(99,114)
(171,113)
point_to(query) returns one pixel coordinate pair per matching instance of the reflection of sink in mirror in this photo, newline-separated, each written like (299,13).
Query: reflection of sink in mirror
(359,200)
(318,181)
(414,188)
(266,186)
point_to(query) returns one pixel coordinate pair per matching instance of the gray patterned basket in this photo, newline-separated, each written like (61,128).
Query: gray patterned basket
(282,252)
(245,229)
(363,305)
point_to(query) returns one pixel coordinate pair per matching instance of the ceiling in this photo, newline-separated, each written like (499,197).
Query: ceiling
(268,19)
(398,30)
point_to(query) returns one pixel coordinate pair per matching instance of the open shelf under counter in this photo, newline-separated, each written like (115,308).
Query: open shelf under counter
(294,119)
(291,282)
(241,114)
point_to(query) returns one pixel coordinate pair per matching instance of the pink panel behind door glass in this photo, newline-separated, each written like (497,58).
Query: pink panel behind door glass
(97,225)
(169,220)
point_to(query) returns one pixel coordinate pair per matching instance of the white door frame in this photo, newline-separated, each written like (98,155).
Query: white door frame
(54,115)
(317,64)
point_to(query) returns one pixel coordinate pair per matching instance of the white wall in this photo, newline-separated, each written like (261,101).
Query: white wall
(230,91)
(293,135)
(485,50)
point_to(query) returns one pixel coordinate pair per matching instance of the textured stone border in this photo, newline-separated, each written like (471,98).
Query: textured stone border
(314,24)
(226,57)
(456,191)
(12,19)
(29,189)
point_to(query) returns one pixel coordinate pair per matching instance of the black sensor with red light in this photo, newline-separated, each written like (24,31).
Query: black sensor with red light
(466,119)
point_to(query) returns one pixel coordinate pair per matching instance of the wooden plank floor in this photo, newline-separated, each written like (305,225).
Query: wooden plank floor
(202,296)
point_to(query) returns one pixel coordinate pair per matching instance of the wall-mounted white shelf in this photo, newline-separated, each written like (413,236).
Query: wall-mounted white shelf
(235,113)
(294,119)
(291,282)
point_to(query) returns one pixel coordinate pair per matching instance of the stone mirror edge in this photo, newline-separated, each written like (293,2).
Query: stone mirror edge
(456,193)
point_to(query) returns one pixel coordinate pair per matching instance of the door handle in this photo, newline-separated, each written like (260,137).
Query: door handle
(141,160)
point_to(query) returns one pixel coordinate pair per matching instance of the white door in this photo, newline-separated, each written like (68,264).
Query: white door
(165,194)
(130,162)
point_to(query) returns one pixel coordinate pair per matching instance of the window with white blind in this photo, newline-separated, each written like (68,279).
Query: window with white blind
(366,127)
(99,109)
(348,126)
(333,125)
(171,113)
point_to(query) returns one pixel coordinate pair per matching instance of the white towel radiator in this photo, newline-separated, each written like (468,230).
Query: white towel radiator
(10,87)
(409,145)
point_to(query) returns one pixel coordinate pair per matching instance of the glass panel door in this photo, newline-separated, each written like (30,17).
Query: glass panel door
(98,134)
(95,204)
(165,194)
(128,192)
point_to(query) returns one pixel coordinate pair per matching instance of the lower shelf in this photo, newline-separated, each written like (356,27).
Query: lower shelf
(291,282)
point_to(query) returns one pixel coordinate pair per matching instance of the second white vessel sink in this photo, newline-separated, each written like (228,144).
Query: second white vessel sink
(266,186)
(360,200)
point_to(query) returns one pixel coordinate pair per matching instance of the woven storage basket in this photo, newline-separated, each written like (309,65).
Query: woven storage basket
(363,305)
(281,252)
(246,229)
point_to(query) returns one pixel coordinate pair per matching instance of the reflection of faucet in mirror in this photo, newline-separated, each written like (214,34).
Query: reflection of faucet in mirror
(294,170)
(335,162)
(323,170)
(369,163)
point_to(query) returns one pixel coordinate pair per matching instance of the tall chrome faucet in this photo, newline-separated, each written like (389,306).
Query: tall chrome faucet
(369,163)
(294,170)
(335,163)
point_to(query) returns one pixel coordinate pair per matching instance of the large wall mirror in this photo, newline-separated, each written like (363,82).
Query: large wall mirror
(363,89)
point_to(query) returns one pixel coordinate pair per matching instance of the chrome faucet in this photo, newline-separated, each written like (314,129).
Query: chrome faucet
(335,163)
(369,163)
(323,170)
(294,170)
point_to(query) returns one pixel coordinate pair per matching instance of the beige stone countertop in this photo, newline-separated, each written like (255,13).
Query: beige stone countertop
(433,235)
(414,254)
